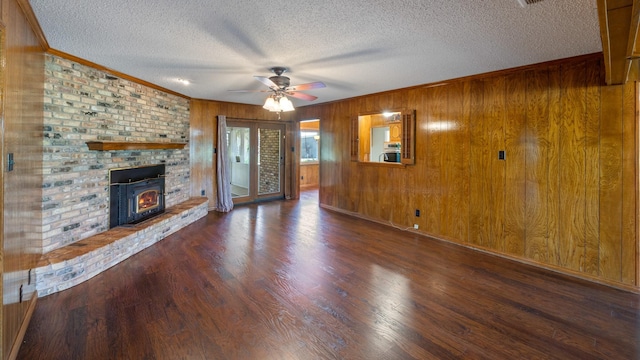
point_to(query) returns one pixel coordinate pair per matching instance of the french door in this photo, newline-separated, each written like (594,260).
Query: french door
(256,158)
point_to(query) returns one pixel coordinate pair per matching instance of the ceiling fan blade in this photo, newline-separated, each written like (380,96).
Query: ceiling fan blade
(302,96)
(267,81)
(312,85)
(249,90)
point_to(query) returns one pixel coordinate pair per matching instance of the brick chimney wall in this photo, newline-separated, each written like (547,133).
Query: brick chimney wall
(84,104)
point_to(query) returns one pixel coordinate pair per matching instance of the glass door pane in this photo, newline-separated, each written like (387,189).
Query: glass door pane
(239,146)
(270,161)
(256,158)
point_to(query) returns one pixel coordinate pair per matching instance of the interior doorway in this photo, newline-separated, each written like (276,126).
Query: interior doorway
(309,154)
(256,158)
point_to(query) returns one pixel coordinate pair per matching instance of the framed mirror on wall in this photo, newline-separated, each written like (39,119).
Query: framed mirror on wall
(384,137)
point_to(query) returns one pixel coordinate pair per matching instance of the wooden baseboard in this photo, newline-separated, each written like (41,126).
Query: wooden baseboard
(13,354)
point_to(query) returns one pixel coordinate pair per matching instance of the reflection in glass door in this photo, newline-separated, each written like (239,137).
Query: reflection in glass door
(256,158)
(239,152)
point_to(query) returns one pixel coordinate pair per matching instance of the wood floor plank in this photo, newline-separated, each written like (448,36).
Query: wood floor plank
(291,280)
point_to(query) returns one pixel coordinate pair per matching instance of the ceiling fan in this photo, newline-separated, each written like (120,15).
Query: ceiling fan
(280,87)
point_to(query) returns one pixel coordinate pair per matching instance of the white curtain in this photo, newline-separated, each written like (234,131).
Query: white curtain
(225,203)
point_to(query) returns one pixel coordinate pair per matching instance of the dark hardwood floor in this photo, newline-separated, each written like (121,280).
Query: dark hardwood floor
(289,280)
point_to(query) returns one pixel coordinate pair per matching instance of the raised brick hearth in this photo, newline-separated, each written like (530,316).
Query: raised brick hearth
(68,266)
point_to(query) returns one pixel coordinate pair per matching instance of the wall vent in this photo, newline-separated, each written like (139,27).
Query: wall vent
(524,3)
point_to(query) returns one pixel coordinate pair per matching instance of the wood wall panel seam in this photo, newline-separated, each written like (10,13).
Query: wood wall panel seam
(536,185)
(592,170)
(610,188)
(516,164)
(553,198)
(636,276)
(629,237)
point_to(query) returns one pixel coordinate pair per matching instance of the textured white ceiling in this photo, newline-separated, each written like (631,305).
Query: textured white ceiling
(355,47)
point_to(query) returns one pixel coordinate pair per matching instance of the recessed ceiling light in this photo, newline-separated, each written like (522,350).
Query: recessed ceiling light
(184,81)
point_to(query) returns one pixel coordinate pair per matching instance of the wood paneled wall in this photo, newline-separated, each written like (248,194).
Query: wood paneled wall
(204,125)
(309,175)
(22,123)
(564,197)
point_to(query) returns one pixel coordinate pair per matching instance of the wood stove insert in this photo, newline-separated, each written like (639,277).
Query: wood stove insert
(136,194)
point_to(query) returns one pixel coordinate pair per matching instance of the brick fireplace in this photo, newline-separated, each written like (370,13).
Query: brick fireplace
(82,105)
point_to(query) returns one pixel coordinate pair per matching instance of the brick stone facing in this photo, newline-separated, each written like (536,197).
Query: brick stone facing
(84,104)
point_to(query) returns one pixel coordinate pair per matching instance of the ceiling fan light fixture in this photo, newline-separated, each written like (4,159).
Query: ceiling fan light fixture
(271,104)
(286,104)
(279,88)
(278,103)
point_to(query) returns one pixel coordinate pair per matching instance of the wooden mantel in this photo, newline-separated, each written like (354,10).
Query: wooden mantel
(126,145)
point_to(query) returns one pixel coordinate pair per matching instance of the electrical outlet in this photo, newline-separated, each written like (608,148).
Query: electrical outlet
(202,192)
(417,212)
(415,226)
(10,162)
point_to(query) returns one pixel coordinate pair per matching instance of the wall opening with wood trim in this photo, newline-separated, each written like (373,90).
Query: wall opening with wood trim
(309,145)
